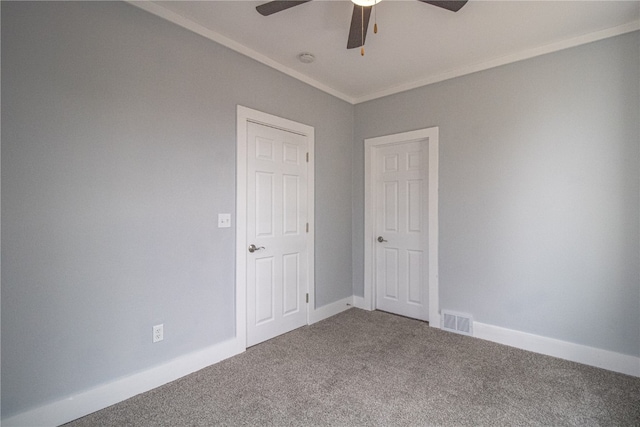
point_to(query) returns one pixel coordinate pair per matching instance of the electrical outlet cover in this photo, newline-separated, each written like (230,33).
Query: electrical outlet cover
(158,333)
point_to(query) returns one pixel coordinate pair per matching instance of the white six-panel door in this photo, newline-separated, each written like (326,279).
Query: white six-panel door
(401,224)
(277,212)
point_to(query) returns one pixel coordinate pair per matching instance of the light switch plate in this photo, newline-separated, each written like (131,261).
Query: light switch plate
(224,220)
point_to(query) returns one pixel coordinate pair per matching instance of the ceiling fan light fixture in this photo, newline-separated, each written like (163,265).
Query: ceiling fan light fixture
(360,17)
(366,3)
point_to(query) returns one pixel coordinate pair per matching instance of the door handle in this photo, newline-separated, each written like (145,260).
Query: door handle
(253,248)
(381,239)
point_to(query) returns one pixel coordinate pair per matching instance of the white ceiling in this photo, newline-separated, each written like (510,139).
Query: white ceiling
(416,44)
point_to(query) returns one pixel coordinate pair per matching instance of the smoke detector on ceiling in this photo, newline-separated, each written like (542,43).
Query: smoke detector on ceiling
(306,58)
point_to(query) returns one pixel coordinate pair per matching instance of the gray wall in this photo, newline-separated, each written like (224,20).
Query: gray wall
(118,152)
(539,191)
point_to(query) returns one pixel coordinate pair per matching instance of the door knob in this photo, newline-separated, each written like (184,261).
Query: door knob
(253,248)
(380,239)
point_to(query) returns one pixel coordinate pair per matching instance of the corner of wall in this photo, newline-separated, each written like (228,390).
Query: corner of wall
(88,401)
(326,311)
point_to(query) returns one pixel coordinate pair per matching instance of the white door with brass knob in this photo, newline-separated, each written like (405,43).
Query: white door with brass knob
(277,235)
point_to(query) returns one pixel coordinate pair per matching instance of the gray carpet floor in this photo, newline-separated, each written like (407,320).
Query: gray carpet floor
(377,369)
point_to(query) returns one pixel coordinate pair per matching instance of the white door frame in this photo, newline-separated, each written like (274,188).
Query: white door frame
(244,117)
(370,147)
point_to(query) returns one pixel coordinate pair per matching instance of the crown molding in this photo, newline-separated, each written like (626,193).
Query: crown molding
(504,60)
(190,25)
(158,10)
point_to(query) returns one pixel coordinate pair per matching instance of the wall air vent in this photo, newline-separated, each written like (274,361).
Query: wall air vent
(457,322)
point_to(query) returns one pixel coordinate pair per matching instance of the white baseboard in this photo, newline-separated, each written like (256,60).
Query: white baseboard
(329,310)
(86,402)
(73,407)
(359,302)
(591,356)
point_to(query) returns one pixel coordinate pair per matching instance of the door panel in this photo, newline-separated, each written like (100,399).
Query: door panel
(264,204)
(291,283)
(414,208)
(390,201)
(264,290)
(291,205)
(401,272)
(390,273)
(277,281)
(415,276)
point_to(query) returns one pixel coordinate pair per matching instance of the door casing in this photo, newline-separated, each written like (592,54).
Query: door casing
(371,145)
(244,116)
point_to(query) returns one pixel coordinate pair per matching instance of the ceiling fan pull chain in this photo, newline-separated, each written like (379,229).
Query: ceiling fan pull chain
(362,31)
(375,20)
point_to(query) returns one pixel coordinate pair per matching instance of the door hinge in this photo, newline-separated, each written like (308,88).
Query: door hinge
(307,227)
(307,157)
(307,298)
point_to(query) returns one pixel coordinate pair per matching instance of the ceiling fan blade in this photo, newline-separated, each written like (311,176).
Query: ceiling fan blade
(272,7)
(452,5)
(356,36)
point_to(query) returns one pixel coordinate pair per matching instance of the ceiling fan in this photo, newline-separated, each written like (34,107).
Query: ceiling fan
(360,16)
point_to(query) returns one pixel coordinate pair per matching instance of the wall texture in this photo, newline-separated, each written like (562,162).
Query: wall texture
(118,152)
(539,191)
